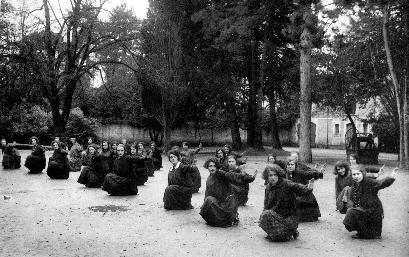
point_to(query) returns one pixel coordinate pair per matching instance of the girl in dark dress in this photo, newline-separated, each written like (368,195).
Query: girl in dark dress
(279,218)
(11,157)
(114,153)
(58,166)
(122,179)
(147,159)
(188,158)
(221,159)
(342,180)
(307,205)
(105,156)
(178,193)
(272,159)
(75,155)
(365,211)
(220,204)
(156,155)
(36,161)
(238,156)
(92,174)
(240,191)
(3,145)
(139,166)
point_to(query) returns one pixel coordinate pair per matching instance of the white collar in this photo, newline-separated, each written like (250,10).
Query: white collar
(176,166)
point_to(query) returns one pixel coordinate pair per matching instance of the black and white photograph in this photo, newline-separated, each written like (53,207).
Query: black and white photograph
(176,128)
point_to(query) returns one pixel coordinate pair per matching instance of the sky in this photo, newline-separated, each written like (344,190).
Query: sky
(139,6)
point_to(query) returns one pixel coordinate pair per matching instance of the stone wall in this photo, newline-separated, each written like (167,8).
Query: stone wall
(114,133)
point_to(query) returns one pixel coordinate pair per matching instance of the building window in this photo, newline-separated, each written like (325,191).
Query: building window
(336,129)
(365,126)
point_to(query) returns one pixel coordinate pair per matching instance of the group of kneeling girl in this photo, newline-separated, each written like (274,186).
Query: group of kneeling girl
(119,169)
(288,200)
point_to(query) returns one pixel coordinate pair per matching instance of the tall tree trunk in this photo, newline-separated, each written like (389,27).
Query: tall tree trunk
(405,123)
(275,139)
(305,94)
(397,89)
(235,129)
(254,128)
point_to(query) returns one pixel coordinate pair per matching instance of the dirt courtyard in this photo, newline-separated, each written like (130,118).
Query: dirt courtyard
(45,217)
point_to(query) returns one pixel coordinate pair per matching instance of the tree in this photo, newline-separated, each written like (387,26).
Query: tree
(306,32)
(391,18)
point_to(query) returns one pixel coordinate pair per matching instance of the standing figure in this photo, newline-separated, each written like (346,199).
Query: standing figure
(122,179)
(240,191)
(365,211)
(11,157)
(36,161)
(220,204)
(307,205)
(75,156)
(58,167)
(178,193)
(279,218)
(156,155)
(92,174)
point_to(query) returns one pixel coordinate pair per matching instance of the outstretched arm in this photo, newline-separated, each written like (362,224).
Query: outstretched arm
(300,189)
(385,182)
(238,178)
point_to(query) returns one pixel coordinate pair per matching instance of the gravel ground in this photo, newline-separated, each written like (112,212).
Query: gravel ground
(45,217)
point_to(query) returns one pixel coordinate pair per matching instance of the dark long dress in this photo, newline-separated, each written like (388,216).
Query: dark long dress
(58,167)
(36,161)
(93,173)
(188,158)
(307,204)
(341,182)
(11,158)
(178,193)
(241,191)
(220,204)
(139,168)
(365,212)
(280,216)
(106,161)
(75,159)
(156,156)
(122,179)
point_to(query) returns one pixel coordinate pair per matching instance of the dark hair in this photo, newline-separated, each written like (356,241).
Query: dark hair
(272,155)
(220,150)
(342,164)
(208,161)
(174,152)
(275,168)
(232,156)
(228,146)
(36,139)
(93,146)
